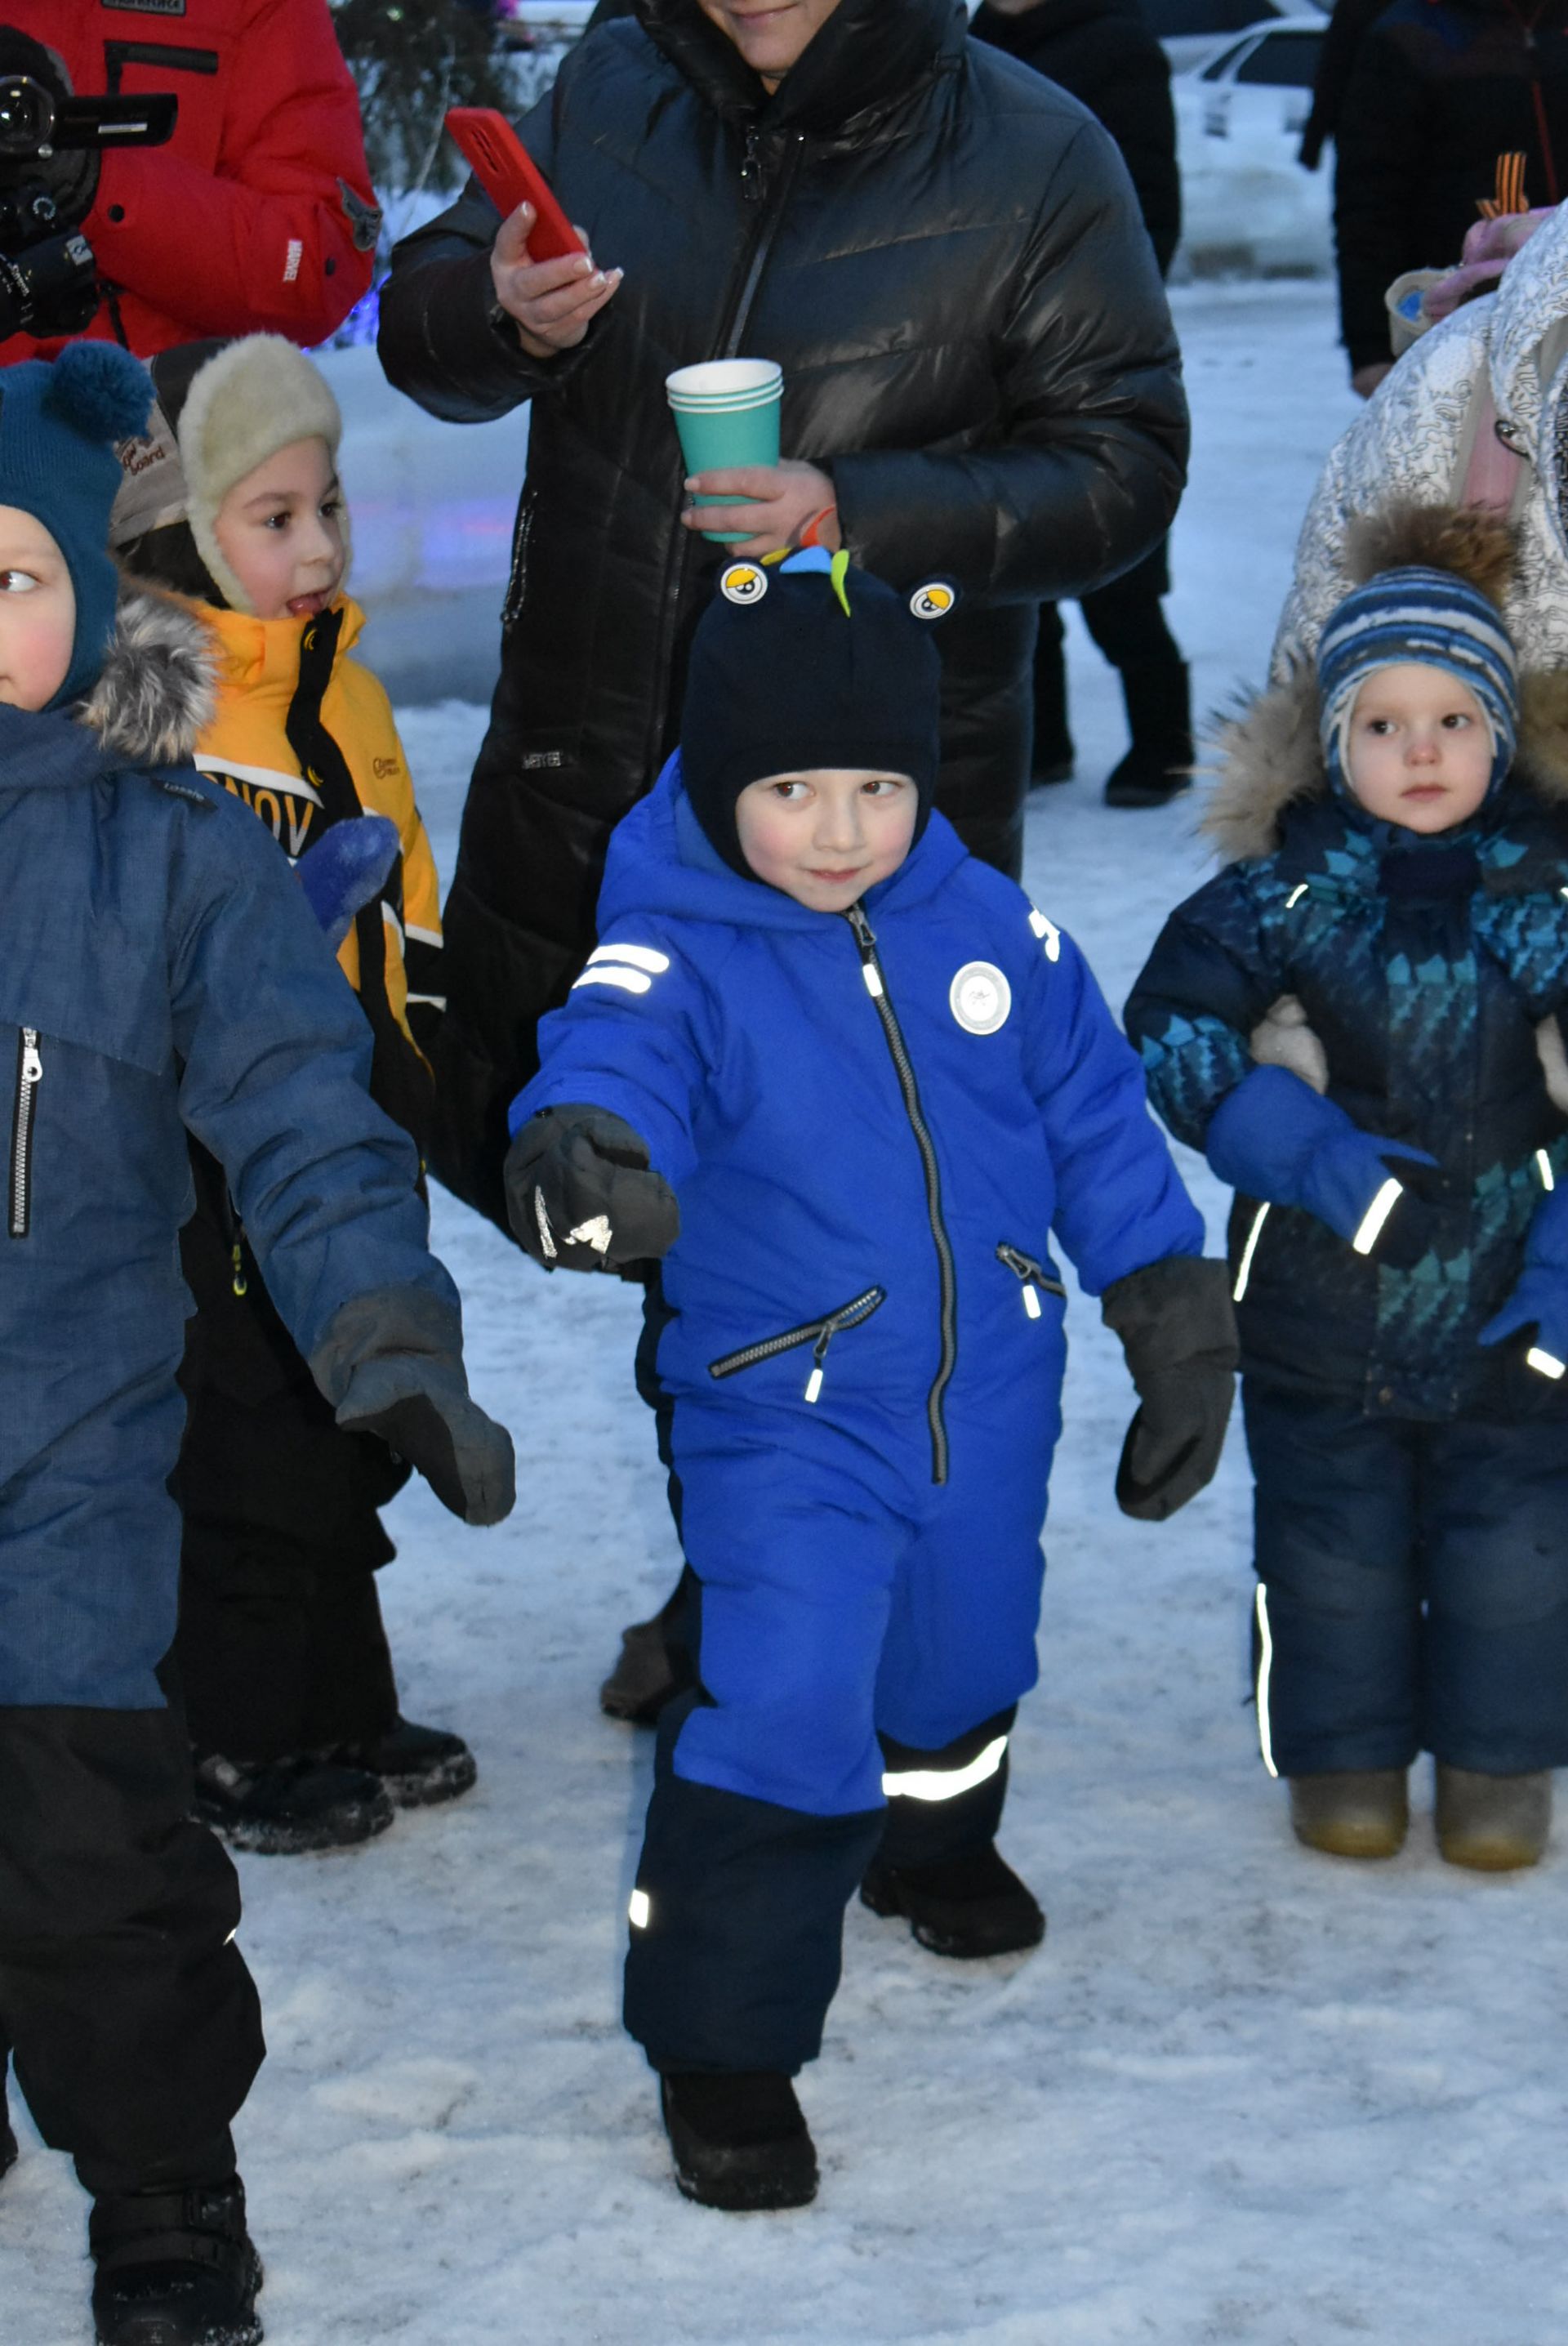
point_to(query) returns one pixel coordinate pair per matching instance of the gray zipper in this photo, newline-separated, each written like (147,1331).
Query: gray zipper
(877,987)
(29,1076)
(1032,1277)
(819,1333)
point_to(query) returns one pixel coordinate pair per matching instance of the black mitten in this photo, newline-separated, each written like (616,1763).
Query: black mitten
(1178,1330)
(581,1194)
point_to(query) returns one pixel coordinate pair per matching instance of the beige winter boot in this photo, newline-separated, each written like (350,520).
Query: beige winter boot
(1351,1812)
(1493,1825)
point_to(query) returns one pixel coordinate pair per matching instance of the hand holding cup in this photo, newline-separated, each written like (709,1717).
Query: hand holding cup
(552,303)
(768,508)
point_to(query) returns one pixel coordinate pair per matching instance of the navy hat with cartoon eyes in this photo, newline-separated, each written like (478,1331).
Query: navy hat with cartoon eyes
(812,664)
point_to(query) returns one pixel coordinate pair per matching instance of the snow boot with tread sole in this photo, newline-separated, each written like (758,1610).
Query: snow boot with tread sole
(289,1807)
(418,1766)
(175,2268)
(1492,1824)
(1351,1812)
(967,1907)
(740,2140)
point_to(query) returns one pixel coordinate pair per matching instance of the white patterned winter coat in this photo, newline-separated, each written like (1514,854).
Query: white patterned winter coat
(1415,439)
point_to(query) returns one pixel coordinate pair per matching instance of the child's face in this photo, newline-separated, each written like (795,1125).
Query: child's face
(1418,749)
(826,836)
(280,531)
(38,612)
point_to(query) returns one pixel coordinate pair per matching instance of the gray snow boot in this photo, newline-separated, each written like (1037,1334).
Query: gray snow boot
(1351,1812)
(1493,1825)
(647,1674)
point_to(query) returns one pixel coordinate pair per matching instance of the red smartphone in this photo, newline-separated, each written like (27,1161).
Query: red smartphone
(509,177)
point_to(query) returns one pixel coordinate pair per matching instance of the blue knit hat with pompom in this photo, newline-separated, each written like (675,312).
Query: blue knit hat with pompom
(59,424)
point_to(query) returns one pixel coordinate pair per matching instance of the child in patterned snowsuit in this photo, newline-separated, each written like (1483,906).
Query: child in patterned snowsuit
(851,1085)
(1358,1021)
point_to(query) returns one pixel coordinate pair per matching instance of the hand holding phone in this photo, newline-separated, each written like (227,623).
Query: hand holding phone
(551,295)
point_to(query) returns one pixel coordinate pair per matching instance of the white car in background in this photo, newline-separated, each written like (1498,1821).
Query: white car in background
(1247,203)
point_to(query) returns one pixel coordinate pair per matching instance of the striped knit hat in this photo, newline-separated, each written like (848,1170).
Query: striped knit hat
(1433,619)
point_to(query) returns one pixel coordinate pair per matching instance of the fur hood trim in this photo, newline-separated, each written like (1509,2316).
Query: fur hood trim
(1479,546)
(1269,757)
(158,687)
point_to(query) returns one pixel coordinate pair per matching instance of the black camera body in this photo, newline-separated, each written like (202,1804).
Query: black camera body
(51,146)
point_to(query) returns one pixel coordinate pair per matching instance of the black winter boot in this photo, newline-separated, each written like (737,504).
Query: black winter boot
(285,1808)
(1159,712)
(175,2268)
(970,1905)
(418,1766)
(739,2139)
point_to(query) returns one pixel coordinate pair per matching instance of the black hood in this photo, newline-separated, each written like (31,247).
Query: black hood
(870,57)
(1040,26)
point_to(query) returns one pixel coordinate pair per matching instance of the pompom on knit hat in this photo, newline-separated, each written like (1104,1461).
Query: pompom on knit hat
(222,408)
(59,424)
(1431,618)
(824,666)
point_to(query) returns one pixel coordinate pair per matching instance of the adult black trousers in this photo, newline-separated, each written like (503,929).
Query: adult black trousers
(134,2023)
(281,1648)
(1127,623)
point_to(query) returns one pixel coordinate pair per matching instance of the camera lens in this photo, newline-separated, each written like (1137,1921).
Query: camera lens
(26,115)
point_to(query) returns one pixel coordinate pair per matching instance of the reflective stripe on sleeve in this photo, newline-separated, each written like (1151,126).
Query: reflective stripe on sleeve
(630,981)
(945,1783)
(636,958)
(1376,1215)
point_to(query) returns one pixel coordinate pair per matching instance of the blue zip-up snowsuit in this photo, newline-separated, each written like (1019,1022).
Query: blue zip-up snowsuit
(160,971)
(874,1127)
(1412,1484)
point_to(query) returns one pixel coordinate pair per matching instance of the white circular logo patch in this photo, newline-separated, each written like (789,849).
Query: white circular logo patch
(933,601)
(980,997)
(743,582)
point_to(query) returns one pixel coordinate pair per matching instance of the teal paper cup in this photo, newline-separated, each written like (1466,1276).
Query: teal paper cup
(727,413)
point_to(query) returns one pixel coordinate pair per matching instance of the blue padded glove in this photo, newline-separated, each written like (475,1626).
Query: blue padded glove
(346,870)
(1275,1138)
(1541,1299)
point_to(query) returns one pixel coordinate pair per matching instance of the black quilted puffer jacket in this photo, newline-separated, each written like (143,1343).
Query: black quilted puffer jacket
(944,253)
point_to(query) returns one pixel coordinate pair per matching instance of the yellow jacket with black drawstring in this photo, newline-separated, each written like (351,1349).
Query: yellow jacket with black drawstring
(304,735)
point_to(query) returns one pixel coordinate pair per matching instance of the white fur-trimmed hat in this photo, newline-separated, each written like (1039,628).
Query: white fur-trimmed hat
(241,404)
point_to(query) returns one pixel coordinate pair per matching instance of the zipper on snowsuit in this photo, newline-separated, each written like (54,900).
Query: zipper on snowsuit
(736,314)
(29,1076)
(1032,1277)
(877,987)
(817,1332)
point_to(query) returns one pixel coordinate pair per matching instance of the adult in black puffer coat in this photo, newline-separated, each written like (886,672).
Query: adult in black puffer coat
(1439,91)
(945,254)
(1103,52)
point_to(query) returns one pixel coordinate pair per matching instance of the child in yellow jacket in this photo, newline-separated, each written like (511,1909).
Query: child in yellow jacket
(232,499)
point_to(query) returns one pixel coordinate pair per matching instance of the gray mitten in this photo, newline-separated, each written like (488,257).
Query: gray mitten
(1178,1329)
(581,1194)
(392,1364)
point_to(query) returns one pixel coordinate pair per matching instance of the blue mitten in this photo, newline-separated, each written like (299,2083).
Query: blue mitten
(1276,1138)
(1540,1301)
(346,870)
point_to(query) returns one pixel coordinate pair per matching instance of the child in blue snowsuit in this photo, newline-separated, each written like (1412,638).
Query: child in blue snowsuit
(162,972)
(849,1084)
(1358,1021)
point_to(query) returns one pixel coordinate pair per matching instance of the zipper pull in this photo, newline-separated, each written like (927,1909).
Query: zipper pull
(751,186)
(814,1381)
(32,1058)
(237,1255)
(866,939)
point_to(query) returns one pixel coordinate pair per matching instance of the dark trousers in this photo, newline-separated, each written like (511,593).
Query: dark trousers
(1127,623)
(1412,1589)
(280,1648)
(133,2023)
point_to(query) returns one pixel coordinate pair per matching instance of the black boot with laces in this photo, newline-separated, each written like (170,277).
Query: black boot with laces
(175,2268)
(739,2139)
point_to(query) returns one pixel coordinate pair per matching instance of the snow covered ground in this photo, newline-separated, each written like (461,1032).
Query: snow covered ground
(1241,2093)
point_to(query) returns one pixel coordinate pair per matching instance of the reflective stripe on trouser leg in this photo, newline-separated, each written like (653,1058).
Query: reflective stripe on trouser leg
(1262,1672)
(941,1804)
